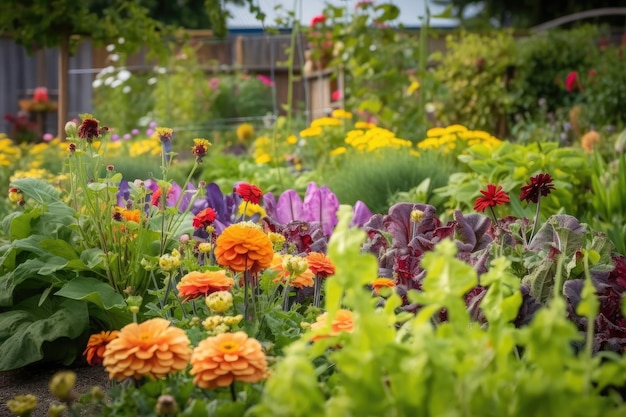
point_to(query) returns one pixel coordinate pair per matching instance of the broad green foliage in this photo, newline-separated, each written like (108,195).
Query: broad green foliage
(476,72)
(543,62)
(391,366)
(48,289)
(511,165)
(608,184)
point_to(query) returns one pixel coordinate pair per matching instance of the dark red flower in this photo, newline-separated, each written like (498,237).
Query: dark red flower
(250,193)
(539,185)
(493,196)
(88,129)
(204,218)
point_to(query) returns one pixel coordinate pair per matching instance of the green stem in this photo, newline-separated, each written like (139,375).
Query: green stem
(536,220)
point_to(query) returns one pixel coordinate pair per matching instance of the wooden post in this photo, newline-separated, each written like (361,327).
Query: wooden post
(239,51)
(63,74)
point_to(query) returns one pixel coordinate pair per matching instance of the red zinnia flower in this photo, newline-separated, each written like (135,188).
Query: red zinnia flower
(539,185)
(493,196)
(250,193)
(156,197)
(204,218)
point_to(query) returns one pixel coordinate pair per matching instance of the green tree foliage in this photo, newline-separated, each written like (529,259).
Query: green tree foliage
(528,13)
(44,24)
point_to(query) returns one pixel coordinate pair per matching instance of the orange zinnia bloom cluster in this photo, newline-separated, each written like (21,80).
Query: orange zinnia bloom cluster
(381,282)
(243,246)
(94,352)
(320,264)
(220,360)
(305,279)
(196,284)
(343,322)
(152,348)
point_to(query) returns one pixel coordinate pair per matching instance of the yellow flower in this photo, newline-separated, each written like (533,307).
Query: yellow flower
(415,85)
(364,125)
(245,132)
(251,209)
(325,121)
(292,139)
(341,114)
(263,159)
(152,348)
(220,360)
(435,132)
(310,132)
(338,151)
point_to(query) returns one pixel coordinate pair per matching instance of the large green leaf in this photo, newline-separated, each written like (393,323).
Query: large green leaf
(25,329)
(48,197)
(92,290)
(37,269)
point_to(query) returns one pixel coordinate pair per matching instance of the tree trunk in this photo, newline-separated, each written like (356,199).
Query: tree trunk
(62,111)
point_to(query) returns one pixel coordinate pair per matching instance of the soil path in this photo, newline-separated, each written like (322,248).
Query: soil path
(34,380)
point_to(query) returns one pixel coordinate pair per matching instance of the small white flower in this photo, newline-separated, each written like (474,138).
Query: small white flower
(109,80)
(123,75)
(114,57)
(116,83)
(110,47)
(152,80)
(121,41)
(96,83)
(126,89)
(160,70)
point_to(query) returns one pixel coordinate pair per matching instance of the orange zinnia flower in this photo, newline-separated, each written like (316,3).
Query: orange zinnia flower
(320,264)
(220,360)
(96,345)
(196,284)
(381,282)
(152,348)
(243,246)
(343,322)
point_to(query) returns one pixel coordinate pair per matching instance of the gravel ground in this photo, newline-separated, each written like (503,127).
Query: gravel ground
(34,380)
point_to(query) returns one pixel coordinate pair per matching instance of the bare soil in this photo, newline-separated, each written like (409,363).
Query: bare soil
(34,380)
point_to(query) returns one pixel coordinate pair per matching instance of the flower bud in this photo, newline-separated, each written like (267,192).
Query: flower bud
(295,265)
(22,405)
(166,406)
(417,216)
(62,384)
(71,129)
(220,301)
(56,410)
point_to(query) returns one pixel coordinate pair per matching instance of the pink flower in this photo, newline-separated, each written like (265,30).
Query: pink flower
(571,81)
(265,80)
(48,137)
(319,19)
(214,83)
(40,95)
(336,95)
